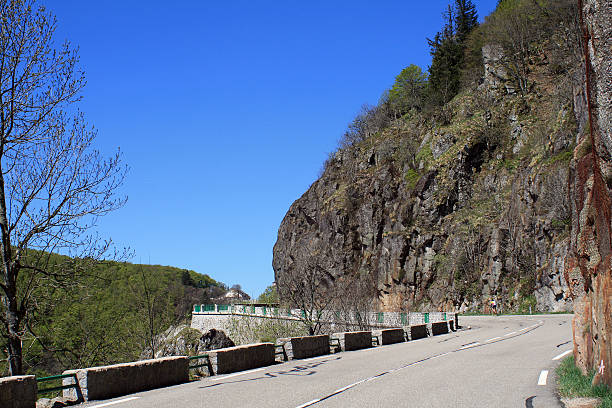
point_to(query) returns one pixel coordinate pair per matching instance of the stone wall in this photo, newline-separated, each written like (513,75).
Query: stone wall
(18,392)
(239,358)
(205,321)
(307,346)
(121,379)
(418,332)
(390,336)
(354,340)
(439,328)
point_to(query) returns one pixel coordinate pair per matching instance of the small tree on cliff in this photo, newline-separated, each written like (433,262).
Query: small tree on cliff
(408,90)
(53,183)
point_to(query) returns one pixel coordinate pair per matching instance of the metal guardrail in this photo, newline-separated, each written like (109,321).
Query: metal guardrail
(207,364)
(59,387)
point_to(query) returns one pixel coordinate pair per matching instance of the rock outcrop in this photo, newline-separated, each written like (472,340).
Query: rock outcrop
(183,340)
(448,212)
(589,266)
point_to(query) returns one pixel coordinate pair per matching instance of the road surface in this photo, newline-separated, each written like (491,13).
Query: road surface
(505,361)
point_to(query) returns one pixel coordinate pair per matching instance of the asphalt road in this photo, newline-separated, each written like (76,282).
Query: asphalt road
(499,362)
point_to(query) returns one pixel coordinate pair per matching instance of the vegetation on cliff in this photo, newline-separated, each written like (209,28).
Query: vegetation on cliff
(447,194)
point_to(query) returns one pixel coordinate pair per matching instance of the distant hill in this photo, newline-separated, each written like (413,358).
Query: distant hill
(110,315)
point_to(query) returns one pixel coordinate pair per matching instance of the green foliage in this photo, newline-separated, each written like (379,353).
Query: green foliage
(560,224)
(561,157)
(412,177)
(573,384)
(408,91)
(425,155)
(269,295)
(447,51)
(527,303)
(105,318)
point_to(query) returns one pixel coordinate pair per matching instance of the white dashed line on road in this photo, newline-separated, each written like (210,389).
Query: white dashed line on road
(493,339)
(236,374)
(543,377)
(560,356)
(470,345)
(107,404)
(511,334)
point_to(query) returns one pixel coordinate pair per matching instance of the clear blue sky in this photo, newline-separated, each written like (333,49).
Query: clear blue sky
(225,111)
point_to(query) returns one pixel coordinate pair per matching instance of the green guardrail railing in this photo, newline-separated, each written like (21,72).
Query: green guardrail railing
(208,308)
(197,308)
(198,364)
(426,317)
(404,318)
(59,387)
(223,308)
(380,317)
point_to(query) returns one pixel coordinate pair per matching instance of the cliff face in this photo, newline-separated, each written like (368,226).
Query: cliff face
(449,211)
(589,267)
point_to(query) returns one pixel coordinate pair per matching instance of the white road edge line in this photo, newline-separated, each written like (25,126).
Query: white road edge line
(314,358)
(510,334)
(235,374)
(560,356)
(494,338)
(106,404)
(470,345)
(309,403)
(543,376)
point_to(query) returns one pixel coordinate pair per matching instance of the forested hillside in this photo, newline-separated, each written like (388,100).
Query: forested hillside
(111,314)
(453,189)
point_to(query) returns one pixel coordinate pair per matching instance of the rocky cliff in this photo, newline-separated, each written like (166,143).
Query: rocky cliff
(589,266)
(448,209)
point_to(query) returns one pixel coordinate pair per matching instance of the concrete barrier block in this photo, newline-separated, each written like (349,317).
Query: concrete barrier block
(354,340)
(240,358)
(418,331)
(121,379)
(18,391)
(390,336)
(439,328)
(307,346)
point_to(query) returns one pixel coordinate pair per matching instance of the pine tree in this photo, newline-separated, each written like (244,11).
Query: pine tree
(466,18)
(447,50)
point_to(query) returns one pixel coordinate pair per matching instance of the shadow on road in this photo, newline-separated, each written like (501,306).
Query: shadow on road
(304,369)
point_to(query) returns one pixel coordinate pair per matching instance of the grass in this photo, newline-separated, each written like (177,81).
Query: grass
(572,383)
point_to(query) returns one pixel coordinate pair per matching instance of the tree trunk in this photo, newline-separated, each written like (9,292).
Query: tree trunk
(15,362)
(13,323)
(588,267)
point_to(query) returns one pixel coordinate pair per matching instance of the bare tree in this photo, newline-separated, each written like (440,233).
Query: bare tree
(307,287)
(357,299)
(53,183)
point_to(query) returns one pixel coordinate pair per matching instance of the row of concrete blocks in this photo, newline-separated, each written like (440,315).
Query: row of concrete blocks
(120,379)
